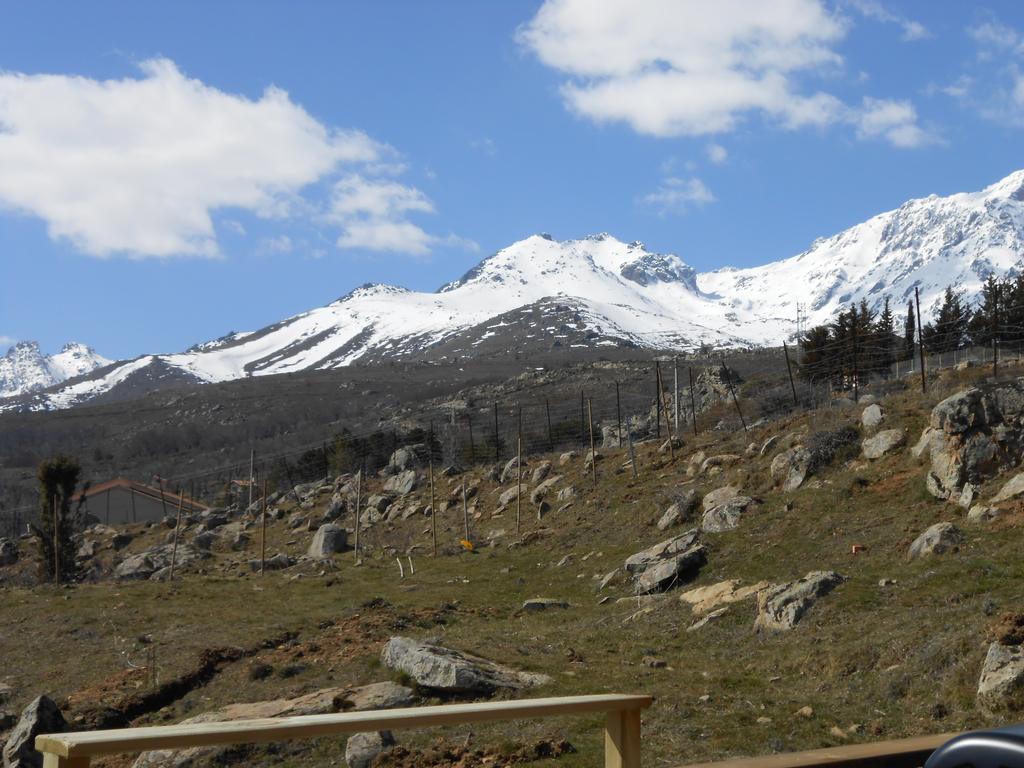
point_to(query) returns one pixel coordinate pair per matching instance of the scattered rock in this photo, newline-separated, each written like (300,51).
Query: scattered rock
(719,496)
(508,472)
(668,563)
(805,712)
(542,471)
(791,467)
(872,417)
(362,749)
(146,564)
(328,540)
(566,457)
(442,669)
(726,516)
(937,540)
(980,513)
(781,607)
(204,540)
(706,599)
(42,715)
(278,562)
(1013,489)
(884,442)
(714,464)
(541,491)
(402,484)
(768,445)
(1001,685)
(707,619)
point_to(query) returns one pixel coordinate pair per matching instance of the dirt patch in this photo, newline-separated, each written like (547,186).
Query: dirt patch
(461,756)
(893,483)
(1008,629)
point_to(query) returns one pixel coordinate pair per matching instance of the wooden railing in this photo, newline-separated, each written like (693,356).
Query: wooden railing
(621,741)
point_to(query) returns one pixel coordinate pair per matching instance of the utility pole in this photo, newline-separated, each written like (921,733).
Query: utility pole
(920,340)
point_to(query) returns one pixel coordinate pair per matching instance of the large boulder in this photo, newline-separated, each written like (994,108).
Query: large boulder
(544,489)
(362,749)
(937,540)
(437,668)
(872,417)
(884,442)
(42,715)
(667,564)
(404,458)
(324,701)
(719,496)
(725,516)
(401,484)
(791,467)
(706,599)
(679,511)
(510,471)
(542,471)
(329,539)
(1001,685)
(781,607)
(637,562)
(972,436)
(146,564)
(1013,488)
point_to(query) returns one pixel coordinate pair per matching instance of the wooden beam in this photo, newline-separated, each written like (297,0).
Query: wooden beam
(182,736)
(622,739)
(890,754)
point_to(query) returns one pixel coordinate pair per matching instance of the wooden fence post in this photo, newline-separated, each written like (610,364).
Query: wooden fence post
(497,454)
(732,391)
(657,399)
(433,508)
(263,529)
(675,393)
(359,499)
(519,480)
(664,407)
(789,368)
(693,401)
(465,509)
(177,532)
(593,450)
(618,416)
(622,739)
(56,544)
(920,341)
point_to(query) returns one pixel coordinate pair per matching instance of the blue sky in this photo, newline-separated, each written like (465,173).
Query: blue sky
(154,193)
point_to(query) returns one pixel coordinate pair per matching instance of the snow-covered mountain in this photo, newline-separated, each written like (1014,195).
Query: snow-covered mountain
(26,369)
(544,293)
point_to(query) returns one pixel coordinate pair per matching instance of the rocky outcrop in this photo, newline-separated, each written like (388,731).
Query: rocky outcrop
(667,564)
(704,600)
(386,695)
(329,539)
(679,511)
(1001,685)
(544,489)
(401,484)
(872,417)
(781,607)
(791,467)
(886,441)
(42,715)
(1013,489)
(442,669)
(719,496)
(146,564)
(725,516)
(937,540)
(972,436)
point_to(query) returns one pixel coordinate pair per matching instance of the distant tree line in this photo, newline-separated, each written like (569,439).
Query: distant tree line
(861,341)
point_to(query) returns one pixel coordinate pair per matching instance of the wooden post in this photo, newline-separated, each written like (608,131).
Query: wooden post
(622,739)
(920,340)
(693,401)
(359,498)
(177,532)
(56,544)
(732,391)
(657,398)
(551,437)
(263,529)
(252,459)
(668,424)
(789,368)
(472,446)
(583,418)
(433,508)
(632,453)
(465,510)
(675,392)
(497,454)
(618,415)
(54,761)
(593,451)
(519,481)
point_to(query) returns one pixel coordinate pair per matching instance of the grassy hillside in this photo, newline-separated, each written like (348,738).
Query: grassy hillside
(871,661)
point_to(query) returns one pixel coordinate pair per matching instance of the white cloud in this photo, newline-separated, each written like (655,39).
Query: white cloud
(485,146)
(141,166)
(872,9)
(276,245)
(7,341)
(675,195)
(993,36)
(717,154)
(371,213)
(690,68)
(893,121)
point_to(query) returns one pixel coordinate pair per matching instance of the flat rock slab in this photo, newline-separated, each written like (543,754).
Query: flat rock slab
(706,599)
(937,540)
(1001,685)
(671,571)
(641,560)
(781,608)
(443,669)
(791,467)
(726,516)
(886,441)
(720,496)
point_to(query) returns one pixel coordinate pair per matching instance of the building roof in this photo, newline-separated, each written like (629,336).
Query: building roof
(172,500)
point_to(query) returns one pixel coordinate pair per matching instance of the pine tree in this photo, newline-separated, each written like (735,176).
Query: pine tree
(58,478)
(983,327)
(885,338)
(909,332)
(949,329)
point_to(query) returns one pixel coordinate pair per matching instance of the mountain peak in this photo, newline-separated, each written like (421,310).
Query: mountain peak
(26,369)
(1010,188)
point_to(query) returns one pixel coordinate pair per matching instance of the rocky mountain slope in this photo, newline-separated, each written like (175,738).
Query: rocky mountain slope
(600,291)
(26,369)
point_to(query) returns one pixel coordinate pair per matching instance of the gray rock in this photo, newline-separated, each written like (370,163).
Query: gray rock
(328,540)
(1012,489)
(42,715)
(884,442)
(671,571)
(446,670)
(539,493)
(403,459)
(386,695)
(509,495)
(205,540)
(791,467)
(717,463)
(937,540)
(564,494)
(8,552)
(872,417)
(541,472)
(726,516)
(968,496)
(379,502)
(401,484)
(780,608)
(278,562)
(508,472)
(1001,685)
(638,562)
(719,496)
(145,564)
(536,604)
(336,508)
(566,457)
(6,693)
(980,513)
(361,749)
(121,540)
(673,516)
(239,541)
(86,550)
